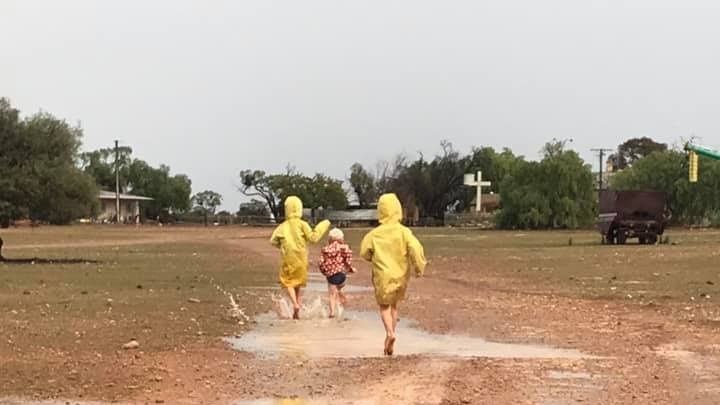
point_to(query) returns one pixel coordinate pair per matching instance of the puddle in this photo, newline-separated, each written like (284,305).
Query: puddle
(361,334)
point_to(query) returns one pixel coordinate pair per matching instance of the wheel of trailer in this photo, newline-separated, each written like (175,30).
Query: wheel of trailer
(652,239)
(642,240)
(621,238)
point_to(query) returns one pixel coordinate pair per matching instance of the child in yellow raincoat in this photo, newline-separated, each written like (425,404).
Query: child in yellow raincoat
(393,249)
(291,237)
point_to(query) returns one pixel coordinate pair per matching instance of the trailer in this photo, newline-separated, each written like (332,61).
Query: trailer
(631,214)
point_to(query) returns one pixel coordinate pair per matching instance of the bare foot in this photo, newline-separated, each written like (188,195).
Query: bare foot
(389,345)
(296,313)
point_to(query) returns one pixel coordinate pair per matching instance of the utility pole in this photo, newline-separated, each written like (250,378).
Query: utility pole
(117,183)
(601,153)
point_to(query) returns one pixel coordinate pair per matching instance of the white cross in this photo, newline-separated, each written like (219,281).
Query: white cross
(470,180)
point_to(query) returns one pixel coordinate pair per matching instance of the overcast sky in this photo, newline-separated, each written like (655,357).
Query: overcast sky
(213,87)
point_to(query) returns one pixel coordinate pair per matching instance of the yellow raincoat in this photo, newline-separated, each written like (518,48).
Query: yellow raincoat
(291,237)
(392,248)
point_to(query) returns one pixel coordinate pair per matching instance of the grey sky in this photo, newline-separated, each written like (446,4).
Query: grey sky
(212,87)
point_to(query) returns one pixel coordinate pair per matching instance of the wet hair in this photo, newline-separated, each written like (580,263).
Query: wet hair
(336,234)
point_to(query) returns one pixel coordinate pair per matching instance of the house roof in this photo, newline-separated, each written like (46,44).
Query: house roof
(110,195)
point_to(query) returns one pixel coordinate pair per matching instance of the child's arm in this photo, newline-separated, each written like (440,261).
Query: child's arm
(347,260)
(276,238)
(416,253)
(366,248)
(314,235)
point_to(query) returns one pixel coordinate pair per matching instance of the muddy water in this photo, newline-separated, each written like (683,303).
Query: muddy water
(360,334)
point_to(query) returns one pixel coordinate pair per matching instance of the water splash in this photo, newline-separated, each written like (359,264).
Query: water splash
(315,309)
(234,311)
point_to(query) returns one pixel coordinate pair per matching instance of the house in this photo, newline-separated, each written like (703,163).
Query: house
(129,207)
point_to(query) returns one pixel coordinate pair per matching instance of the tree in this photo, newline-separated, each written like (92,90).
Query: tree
(325,192)
(315,192)
(632,151)
(256,183)
(38,176)
(363,184)
(100,164)
(493,165)
(556,192)
(206,202)
(168,192)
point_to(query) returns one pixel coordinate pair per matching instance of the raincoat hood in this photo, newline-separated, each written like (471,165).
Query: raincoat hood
(293,207)
(389,209)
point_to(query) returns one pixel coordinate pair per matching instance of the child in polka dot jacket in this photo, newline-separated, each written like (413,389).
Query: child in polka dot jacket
(335,260)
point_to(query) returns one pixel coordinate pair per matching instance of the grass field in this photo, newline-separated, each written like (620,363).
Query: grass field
(64,324)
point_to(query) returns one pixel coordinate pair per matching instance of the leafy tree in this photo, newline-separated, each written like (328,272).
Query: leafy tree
(556,192)
(206,202)
(493,165)
(100,164)
(317,191)
(633,150)
(325,192)
(256,183)
(38,176)
(168,192)
(138,177)
(363,184)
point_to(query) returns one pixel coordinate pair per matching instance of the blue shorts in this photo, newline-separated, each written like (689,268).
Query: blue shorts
(337,279)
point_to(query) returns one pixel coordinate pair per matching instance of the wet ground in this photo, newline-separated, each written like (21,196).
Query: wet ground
(359,334)
(496,321)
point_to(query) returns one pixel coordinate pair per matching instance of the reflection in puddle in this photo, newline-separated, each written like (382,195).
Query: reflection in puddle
(360,334)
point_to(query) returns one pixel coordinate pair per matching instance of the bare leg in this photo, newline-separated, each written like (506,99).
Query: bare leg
(298,294)
(394,310)
(387,318)
(295,300)
(341,295)
(332,295)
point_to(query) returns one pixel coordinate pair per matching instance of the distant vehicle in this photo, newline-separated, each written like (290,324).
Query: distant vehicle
(631,214)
